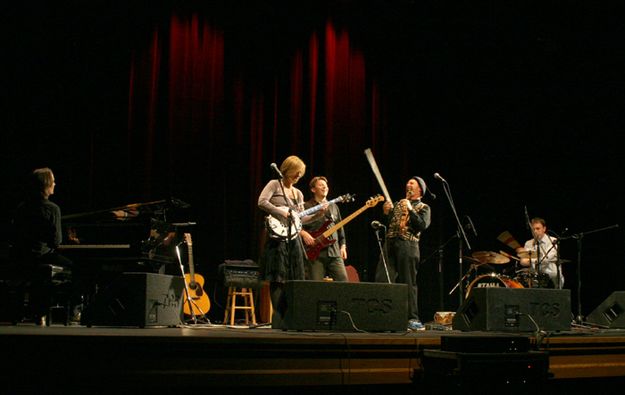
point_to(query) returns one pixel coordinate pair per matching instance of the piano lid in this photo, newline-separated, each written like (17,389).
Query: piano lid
(130,211)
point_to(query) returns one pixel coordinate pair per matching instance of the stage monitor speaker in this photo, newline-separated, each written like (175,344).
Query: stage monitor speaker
(510,309)
(611,312)
(345,306)
(137,299)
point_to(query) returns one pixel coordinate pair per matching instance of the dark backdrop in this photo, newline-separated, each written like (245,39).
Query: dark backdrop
(516,106)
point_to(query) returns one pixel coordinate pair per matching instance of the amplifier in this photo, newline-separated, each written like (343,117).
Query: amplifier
(515,310)
(137,299)
(240,274)
(345,307)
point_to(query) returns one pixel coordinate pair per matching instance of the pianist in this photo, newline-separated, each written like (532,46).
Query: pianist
(36,235)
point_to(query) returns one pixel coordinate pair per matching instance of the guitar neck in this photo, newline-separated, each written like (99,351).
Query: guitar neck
(190,256)
(191,265)
(318,207)
(344,222)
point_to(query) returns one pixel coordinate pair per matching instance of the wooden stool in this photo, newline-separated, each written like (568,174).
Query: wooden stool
(248,305)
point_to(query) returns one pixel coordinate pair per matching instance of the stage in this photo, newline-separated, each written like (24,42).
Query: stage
(257,359)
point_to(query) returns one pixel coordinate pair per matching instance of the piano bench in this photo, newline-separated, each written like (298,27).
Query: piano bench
(50,286)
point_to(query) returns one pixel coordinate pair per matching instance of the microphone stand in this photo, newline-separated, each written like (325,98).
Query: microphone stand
(558,283)
(289,219)
(558,270)
(462,236)
(440,251)
(579,236)
(534,270)
(186,287)
(382,252)
(289,222)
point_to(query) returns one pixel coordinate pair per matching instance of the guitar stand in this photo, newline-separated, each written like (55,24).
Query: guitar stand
(188,292)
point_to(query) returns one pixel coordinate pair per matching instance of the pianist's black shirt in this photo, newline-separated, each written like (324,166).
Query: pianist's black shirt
(36,230)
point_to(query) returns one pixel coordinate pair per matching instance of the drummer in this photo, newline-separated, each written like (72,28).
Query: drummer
(541,252)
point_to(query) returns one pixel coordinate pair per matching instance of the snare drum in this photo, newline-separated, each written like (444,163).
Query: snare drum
(493,280)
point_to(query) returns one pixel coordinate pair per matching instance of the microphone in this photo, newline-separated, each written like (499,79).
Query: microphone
(275,169)
(438,176)
(471,226)
(377,225)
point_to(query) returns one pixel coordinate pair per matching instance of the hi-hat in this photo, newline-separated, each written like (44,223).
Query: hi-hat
(490,257)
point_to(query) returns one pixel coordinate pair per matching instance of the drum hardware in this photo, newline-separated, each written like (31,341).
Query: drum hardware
(472,267)
(523,253)
(493,280)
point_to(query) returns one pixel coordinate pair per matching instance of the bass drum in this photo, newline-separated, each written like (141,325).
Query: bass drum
(492,281)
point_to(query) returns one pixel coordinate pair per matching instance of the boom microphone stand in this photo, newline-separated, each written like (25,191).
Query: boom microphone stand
(440,251)
(186,286)
(462,236)
(378,226)
(534,271)
(579,236)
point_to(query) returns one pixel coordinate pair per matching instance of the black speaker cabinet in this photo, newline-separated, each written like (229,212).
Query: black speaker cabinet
(137,299)
(345,307)
(510,309)
(611,312)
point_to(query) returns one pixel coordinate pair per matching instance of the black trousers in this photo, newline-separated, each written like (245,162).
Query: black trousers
(402,261)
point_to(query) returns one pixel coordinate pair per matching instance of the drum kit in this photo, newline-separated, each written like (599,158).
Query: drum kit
(494,269)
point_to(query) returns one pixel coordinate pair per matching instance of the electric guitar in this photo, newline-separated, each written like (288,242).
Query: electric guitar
(199,300)
(321,235)
(279,229)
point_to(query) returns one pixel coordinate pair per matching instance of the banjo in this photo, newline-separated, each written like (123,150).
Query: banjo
(278,228)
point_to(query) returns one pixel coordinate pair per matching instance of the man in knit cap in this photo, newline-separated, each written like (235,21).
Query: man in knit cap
(404,221)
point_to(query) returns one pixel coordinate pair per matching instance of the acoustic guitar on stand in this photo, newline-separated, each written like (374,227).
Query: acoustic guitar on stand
(322,234)
(195,282)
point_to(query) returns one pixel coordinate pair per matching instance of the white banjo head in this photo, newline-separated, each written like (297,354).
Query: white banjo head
(278,227)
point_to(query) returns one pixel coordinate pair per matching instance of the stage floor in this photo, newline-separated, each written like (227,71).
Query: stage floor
(211,356)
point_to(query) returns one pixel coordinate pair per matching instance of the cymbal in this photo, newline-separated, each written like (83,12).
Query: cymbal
(490,257)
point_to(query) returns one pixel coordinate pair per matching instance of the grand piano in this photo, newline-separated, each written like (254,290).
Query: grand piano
(138,237)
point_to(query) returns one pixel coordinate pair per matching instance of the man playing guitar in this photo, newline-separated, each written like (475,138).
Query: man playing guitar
(330,262)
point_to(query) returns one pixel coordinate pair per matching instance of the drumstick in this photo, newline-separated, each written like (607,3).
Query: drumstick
(509,256)
(376,172)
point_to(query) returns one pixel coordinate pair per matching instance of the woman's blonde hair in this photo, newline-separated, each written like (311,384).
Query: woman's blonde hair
(293,164)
